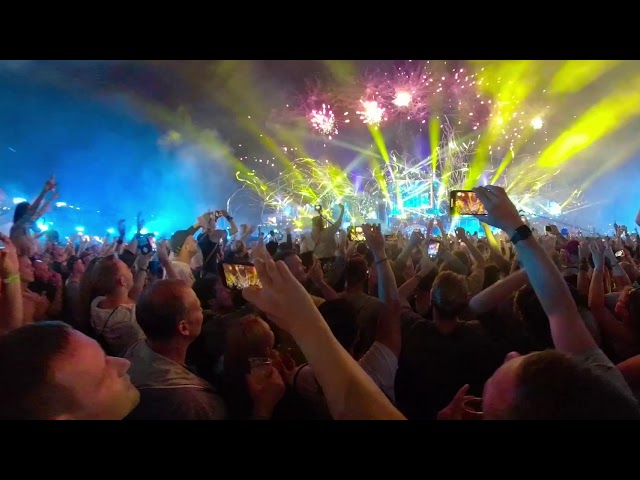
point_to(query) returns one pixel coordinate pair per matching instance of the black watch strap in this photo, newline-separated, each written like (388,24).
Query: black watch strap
(522,233)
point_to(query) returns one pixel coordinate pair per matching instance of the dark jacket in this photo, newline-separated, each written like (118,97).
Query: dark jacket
(168,391)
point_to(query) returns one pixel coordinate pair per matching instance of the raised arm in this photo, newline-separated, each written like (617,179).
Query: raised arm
(11,308)
(568,331)
(349,391)
(387,288)
(48,186)
(489,298)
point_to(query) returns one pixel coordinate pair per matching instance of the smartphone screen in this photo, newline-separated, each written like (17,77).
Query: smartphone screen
(356,234)
(465,203)
(434,248)
(239,275)
(620,254)
(144,244)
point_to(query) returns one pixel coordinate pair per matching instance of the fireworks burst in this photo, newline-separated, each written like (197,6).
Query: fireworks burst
(403,98)
(372,113)
(324,121)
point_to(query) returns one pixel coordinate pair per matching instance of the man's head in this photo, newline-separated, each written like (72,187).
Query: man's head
(183,243)
(357,272)
(27,272)
(212,293)
(449,295)
(423,291)
(169,311)
(550,385)
(50,371)
(293,262)
(111,274)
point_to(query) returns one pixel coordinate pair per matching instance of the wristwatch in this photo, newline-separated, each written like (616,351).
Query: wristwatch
(522,233)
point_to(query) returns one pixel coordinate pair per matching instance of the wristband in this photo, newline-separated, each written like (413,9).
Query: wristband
(11,279)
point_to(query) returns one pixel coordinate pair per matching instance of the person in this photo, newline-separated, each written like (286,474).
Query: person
(170,316)
(35,307)
(575,381)
(184,248)
(441,354)
(113,313)
(325,237)
(25,216)
(49,371)
(11,305)
(72,303)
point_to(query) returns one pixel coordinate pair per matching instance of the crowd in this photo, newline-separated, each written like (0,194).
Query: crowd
(522,325)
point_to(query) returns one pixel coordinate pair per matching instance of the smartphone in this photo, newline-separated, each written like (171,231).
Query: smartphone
(153,243)
(548,229)
(144,245)
(619,254)
(391,238)
(356,234)
(434,248)
(238,276)
(465,203)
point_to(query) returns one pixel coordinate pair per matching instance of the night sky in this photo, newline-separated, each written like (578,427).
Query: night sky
(97,125)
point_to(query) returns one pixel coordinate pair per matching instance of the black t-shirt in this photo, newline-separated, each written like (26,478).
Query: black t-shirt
(432,367)
(209,256)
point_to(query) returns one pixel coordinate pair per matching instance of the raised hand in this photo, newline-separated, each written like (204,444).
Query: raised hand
(315,272)
(375,239)
(281,297)
(597,252)
(50,184)
(163,252)
(501,212)
(461,235)
(583,250)
(455,410)
(9,264)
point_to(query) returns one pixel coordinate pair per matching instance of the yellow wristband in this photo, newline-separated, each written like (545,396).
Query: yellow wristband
(11,279)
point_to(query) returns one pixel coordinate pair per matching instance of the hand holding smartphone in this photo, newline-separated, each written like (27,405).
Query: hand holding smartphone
(356,234)
(465,203)
(239,275)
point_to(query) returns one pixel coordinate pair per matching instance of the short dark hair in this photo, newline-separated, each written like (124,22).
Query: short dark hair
(205,289)
(450,296)
(341,318)
(554,386)
(105,274)
(27,388)
(356,270)
(160,308)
